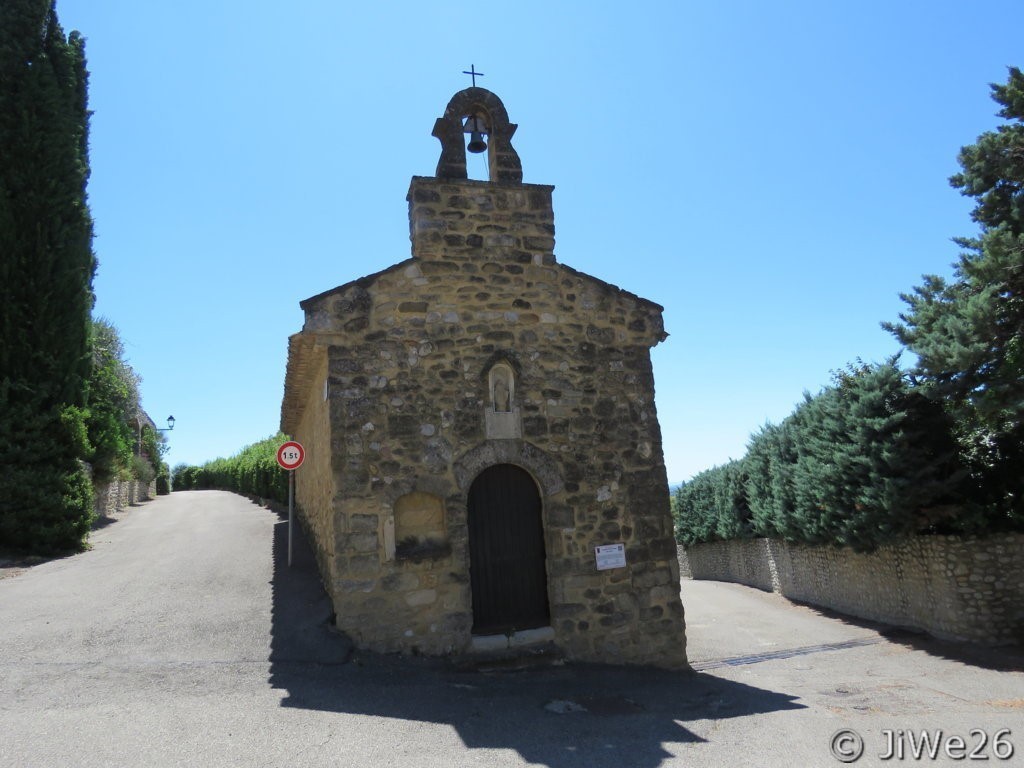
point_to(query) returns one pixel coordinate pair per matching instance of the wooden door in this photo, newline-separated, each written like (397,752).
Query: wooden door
(506,552)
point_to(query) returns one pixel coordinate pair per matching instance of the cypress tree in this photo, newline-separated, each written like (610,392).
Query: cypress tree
(771,464)
(46,272)
(759,480)
(876,461)
(734,517)
(696,516)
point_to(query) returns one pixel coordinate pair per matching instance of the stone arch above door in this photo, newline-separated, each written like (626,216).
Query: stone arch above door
(544,469)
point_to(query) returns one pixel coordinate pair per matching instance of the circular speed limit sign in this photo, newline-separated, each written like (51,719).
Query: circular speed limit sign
(290,455)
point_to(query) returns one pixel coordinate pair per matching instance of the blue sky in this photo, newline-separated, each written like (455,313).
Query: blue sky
(773,174)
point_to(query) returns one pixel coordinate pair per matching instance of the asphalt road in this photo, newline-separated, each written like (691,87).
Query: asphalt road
(182,638)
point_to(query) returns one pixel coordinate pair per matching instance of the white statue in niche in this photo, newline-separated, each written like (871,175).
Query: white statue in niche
(501,416)
(501,388)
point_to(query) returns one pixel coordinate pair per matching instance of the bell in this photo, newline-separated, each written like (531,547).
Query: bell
(476,143)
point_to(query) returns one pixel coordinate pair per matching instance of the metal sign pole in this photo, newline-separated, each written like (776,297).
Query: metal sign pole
(291,507)
(290,456)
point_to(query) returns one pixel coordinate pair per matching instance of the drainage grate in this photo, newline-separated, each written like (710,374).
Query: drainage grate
(756,658)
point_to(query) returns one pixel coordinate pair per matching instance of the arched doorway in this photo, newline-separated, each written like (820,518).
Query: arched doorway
(507,568)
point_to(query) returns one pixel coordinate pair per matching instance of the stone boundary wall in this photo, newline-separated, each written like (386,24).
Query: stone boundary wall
(110,498)
(954,588)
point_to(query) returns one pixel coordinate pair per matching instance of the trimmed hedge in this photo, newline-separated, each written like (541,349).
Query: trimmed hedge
(865,462)
(253,471)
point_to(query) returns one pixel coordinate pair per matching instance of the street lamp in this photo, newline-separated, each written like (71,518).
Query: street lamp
(170,425)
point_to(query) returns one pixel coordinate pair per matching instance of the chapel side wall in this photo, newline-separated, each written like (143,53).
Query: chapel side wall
(314,480)
(409,391)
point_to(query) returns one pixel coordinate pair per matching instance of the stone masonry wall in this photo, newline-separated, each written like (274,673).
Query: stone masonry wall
(746,561)
(410,350)
(314,480)
(951,587)
(110,498)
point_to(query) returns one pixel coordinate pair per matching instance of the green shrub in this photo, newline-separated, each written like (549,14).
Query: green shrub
(183,477)
(113,404)
(142,470)
(46,500)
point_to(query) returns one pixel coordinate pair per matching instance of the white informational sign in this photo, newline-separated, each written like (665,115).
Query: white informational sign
(610,556)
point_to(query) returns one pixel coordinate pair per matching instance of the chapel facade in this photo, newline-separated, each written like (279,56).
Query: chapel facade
(484,464)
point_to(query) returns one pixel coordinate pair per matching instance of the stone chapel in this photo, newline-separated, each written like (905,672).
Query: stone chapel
(484,466)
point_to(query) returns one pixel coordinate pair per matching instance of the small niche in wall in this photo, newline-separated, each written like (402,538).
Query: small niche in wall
(420,532)
(502,384)
(501,414)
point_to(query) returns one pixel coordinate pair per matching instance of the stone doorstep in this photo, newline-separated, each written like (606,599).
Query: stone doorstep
(522,639)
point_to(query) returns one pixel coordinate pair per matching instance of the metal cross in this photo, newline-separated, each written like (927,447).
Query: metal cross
(473,73)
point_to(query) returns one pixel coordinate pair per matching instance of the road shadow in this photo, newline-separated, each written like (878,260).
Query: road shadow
(998,659)
(565,716)
(302,629)
(102,521)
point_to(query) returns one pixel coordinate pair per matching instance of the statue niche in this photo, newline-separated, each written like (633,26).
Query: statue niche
(501,415)
(501,388)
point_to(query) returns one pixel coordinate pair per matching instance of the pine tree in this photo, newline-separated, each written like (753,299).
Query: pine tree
(46,272)
(993,168)
(968,333)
